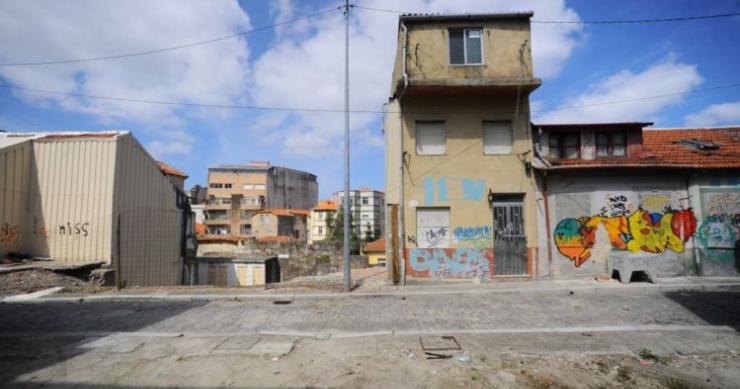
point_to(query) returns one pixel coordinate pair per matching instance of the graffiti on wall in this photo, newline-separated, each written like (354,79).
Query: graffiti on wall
(8,237)
(445,189)
(71,229)
(720,229)
(638,231)
(450,263)
(434,236)
(472,233)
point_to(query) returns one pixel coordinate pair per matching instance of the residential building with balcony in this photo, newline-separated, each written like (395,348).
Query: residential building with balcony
(462,200)
(367,207)
(238,192)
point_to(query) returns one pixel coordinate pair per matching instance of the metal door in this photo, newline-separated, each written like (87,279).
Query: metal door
(509,239)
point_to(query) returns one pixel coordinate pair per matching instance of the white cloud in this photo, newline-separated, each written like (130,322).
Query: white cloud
(170,144)
(664,78)
(715,115)
(305,67)
(51,30)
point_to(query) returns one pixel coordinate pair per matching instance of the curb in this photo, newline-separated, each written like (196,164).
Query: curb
(605,289)
(20,298)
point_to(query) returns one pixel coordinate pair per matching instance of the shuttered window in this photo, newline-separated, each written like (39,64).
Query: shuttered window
(497,138)
(430,138)
(433,227)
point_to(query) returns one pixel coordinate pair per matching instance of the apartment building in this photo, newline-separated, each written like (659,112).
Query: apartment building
(367,207)
(461,195)
(238,192)
(319,220)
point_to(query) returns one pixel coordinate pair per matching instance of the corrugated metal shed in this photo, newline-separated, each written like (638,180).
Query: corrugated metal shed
(15,161)
(80,198)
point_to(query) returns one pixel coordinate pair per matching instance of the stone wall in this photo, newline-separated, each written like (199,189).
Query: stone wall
(297,259)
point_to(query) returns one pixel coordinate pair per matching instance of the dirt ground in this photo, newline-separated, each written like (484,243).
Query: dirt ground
(28,281)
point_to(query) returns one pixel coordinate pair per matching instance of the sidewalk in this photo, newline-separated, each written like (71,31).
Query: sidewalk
(376,290)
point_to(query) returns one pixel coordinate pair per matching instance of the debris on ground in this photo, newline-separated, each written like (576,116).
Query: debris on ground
(464,359)
(29,281)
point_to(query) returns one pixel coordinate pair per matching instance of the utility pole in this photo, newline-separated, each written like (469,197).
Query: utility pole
(347,269)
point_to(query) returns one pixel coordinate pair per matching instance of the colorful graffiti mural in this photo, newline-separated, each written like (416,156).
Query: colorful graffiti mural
(719,232)
(635,232)
(450,263)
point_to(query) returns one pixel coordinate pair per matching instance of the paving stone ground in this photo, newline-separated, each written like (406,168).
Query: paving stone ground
(583,339)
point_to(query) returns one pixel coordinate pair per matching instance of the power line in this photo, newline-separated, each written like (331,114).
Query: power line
(171,48)
(338,110)
(627,21)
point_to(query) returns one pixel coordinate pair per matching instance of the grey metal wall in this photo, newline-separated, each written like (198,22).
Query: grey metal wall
(70,199)
(151,219)
(15,163)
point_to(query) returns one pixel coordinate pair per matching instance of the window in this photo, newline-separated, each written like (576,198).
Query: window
(321,231)
(364,216)
(227,186)
(259,186)
(247,186)
(433,227)
(566,145)
(226,201)
(430,138)
(497,138)
(246,229)
(216,186)
(466,46)
(611,144)
(365,201)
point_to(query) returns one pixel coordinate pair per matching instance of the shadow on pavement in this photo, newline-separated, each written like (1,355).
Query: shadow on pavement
(36,335)
(715,308)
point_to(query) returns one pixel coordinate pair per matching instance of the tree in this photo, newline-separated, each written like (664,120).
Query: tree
(337,232)
(372,234)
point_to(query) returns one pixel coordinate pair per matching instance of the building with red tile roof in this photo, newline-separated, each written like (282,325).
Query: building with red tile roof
(663,200)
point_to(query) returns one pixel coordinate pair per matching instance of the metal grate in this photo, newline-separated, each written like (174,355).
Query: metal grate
(509,239)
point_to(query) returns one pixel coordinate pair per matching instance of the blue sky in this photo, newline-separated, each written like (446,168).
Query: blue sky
(300,65)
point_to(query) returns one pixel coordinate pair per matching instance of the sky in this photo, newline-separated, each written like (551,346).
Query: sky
(301,65)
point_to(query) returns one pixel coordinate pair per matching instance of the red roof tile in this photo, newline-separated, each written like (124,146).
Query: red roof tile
(326,205)
(279,238)
(663,148)
(169,170)
(375,246)
(284,212)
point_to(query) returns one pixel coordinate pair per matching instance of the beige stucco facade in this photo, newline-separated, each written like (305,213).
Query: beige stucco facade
(457,183)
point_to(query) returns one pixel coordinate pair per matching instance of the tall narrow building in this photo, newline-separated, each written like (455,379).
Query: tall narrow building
(458,147)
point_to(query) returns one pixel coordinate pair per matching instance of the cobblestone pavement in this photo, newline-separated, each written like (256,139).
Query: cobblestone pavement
(398,314)
(583,339)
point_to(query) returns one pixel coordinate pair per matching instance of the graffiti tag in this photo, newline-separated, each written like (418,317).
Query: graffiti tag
(8,237)
(472,233)
(70,229)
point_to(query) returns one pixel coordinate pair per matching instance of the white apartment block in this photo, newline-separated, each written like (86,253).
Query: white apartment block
(367,207)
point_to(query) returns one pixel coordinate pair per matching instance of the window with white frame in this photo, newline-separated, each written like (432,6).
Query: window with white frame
(431,138)
(466,46)
(259,186)
(248,186)
(497,138)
